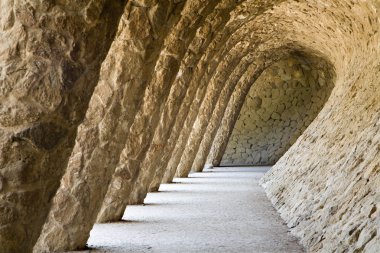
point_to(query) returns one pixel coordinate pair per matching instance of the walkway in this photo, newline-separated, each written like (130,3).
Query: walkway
(220,210)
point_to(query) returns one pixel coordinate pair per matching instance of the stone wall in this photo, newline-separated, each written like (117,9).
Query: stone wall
(167,96)
(279,107)
(326,187)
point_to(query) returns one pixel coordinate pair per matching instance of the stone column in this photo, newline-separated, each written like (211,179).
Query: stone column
(50,56)
(232,111)
(236,29)
(146,120)
(179,92)
(102,136)
(196,91)
(238,76)
(186,128)
(214,89)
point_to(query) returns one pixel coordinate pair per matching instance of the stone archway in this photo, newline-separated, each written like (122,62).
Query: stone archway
(94,112)
(281,104)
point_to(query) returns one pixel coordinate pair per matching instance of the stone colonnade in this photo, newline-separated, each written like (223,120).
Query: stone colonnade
(102,101)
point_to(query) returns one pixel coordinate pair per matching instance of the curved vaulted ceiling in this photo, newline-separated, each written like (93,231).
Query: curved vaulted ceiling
(101,101)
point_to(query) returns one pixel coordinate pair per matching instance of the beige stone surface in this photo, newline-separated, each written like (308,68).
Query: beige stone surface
(327,185)
(50,56)
(100,137)
(279,107)
(146,120)
(216,85)
(167,99)
(236,27)
(182,91)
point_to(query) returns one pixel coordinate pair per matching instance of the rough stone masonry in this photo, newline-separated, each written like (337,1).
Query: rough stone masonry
(103,100)
(279,107)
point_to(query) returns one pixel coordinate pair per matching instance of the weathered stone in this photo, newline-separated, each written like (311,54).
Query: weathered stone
(206,109)
(152,165)
(186,128)
(49,66)
(146,120)
(170,92)
(101,137)
(216,117)
(328,206)
(294,111)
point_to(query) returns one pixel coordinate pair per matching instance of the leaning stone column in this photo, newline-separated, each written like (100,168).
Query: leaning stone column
(216,71)
(146,120)
(233,110)
(101,137)
(50,56)
(235,30)
(195,93)
(239,82)
(179,93)
(238,76)
(214,89)
(190,104)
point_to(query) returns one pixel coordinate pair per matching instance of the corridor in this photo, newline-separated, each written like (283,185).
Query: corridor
(219,210)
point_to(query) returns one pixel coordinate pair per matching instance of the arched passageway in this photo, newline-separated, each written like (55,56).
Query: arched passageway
(281,104)
(101,101)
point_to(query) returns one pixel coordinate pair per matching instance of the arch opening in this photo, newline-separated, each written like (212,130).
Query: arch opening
(280,105)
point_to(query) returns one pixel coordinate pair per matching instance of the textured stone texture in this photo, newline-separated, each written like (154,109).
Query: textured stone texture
(215,87)
(279,107)
(101,138)
(329,195)
(237,27)
(142,129)
(182,91)
(176,76)
(50,56)
(217,115)
(229,119)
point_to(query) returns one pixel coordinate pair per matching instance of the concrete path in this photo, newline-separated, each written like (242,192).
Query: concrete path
(219,210)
